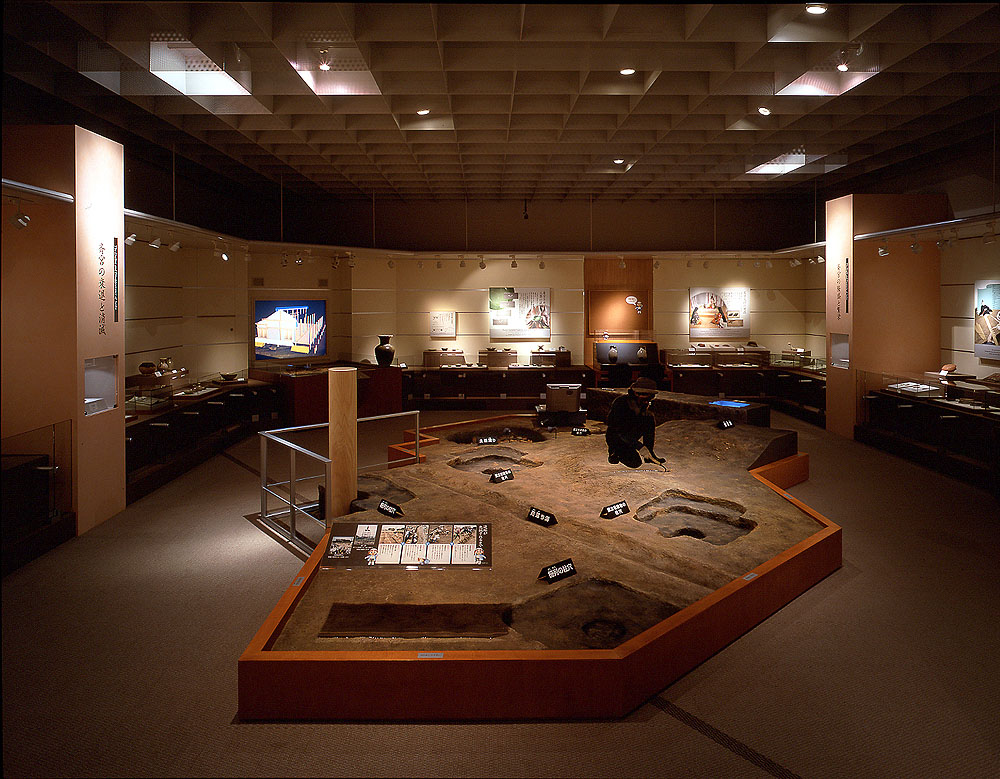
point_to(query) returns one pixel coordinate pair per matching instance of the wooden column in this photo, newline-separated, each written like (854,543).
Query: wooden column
(343,441)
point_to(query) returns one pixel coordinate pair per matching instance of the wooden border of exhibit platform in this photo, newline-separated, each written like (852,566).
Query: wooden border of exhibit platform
(527,684)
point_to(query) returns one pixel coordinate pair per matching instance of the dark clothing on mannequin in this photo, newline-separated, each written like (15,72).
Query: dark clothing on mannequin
(630,427)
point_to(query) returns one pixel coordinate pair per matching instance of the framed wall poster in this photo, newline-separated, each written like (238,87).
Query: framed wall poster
(717,312)
(520,312)
(986,320)
(442,324)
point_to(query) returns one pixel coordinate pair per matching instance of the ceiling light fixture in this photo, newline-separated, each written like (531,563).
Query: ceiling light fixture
(461,263)
(423,112)
(991,236)
(246,256)
(621,263)
(175,246)
(130,239)
(739,263)
(756,263)
(541,265)
(440,264)
(391,263)
(914,246)
(619,161)
(420,264)
(705,264)
(284,261)
(817,9)
(768,264)
(482,262)
(656,264)
(225,253)
(842,67)
(763,110)
(156,243)
(820,259)
(689,264)
(883,250)
(298,258)
(627,71)
(350,260)
(324,60)
(513,262)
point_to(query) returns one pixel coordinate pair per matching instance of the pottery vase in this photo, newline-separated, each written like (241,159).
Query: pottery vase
(385,351)
(641,353)
(147,368)
(613,354)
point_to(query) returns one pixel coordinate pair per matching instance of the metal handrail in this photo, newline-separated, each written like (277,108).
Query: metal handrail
(266,517)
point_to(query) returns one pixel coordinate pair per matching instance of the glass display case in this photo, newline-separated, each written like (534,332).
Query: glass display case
(689,358)
(100,384)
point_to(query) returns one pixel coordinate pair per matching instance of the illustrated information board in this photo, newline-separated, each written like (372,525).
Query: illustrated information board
(716,312)
(356,545)
(986,319)
(520,312)
(442,324)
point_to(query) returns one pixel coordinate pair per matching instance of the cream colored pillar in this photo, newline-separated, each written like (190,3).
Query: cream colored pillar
(343,398)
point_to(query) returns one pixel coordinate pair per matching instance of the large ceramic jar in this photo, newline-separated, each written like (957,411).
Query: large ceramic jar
(641,354)
(613,354)
(385,351)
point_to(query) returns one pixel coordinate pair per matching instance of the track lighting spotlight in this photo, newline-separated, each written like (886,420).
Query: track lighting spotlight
(915,247)
(482,263)
(513,263)
(156,243)
(284,261)
(768,264)
(175,246)
(336,263)
(820,259)
(883,250)
(756,263)
(246,256)
(764,111)
(991,236)
(705,264)
(20,220)
(298,258)
(324,60)
(350,260)
(541,265)
(792,263)
(440,264)
(225,256)
(656,264)
(420,264)
(391,263)
(130,239)
(621,263)
(461,263)
(689,264)
(739,263)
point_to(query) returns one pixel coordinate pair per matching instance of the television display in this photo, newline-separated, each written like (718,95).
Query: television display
(289,329)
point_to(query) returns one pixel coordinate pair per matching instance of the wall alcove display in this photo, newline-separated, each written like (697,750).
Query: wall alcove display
(619,312)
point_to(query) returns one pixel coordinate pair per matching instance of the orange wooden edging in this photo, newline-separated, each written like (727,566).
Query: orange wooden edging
(523,684)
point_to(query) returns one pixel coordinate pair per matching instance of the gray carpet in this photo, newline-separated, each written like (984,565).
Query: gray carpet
(120,649)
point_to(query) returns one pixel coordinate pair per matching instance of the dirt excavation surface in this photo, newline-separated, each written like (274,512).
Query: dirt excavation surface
(689,529)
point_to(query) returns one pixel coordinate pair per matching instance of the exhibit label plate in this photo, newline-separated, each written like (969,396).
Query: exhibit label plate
(389,509)
(557,571)
(486,440)
(540,517)
(615,510)
(413,546)
(505,475)
(581,431)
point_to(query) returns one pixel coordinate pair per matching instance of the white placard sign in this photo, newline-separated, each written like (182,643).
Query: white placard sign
(442,324)
(520,312)
(717,312)
(986,320)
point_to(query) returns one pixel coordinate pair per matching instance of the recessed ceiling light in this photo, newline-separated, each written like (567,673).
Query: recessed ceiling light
(324,66)
(619,161)
(842,67)
(423,112)
(627,71)
(764,111)
(816,8)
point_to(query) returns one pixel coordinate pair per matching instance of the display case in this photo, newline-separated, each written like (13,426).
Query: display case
(949,425)
(100,384)
(497,358)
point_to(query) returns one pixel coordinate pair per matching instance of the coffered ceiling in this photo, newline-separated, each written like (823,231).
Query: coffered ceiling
(523,101)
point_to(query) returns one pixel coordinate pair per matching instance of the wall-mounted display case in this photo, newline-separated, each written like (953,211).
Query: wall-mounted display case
(100,384)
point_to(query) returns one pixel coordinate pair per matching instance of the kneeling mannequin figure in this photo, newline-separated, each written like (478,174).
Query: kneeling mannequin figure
(631,425)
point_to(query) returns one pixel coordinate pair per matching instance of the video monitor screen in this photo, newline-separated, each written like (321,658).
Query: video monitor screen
(289,329)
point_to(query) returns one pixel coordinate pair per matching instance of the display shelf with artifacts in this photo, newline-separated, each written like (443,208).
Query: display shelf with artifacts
(495,357)
(479,387)
(634,578)
(200,420)
(947,424)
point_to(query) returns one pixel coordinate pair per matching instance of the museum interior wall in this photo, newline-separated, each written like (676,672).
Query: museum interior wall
(962,265)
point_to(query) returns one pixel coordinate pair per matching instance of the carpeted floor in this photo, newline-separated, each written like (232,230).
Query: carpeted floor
(120,649)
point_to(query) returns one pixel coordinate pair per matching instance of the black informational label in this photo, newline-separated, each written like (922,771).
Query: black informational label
(540,517)
(557,571)
(725,424)
(499,476)
(389,509)
(581,431)
(486,440)
(615,510)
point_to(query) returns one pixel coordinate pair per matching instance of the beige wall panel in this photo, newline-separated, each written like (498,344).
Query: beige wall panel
(815,324)
(147,302)
(338,324)
(775,300)
(219,301)
(777,323)
(149,334)
(461,300)
(338,300)
(958,300)
(152,267)
(211,271)
(968,261)
(956,334)
(374,300)
(213,358)
(214,329)
(373,273)
(815,300)
(967,362)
